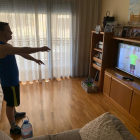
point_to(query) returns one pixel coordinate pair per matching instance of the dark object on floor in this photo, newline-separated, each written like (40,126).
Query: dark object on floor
(20,115)
(16,131)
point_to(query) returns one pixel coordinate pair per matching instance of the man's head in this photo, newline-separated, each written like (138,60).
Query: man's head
(5,31)
(134,52)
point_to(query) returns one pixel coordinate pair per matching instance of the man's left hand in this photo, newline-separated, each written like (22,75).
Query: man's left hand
(39,62)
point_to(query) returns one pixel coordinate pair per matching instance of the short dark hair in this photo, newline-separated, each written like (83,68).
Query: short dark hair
(2,24)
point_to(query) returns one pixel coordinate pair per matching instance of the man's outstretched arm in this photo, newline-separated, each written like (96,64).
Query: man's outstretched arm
(8,49)
(29,57)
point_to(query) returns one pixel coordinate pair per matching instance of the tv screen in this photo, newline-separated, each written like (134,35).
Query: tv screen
(129,59)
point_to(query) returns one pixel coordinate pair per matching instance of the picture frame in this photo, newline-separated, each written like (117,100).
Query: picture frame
(125,31)
(134,13)
(135,33)
(129,32)
(98,29)
(118,31)
(108,29)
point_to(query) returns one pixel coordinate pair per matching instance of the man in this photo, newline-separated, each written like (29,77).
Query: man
(9,73)
(133,61)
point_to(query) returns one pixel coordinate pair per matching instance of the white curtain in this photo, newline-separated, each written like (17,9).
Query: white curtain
(62,25)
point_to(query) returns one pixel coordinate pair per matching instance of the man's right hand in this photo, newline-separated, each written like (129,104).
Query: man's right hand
(45,48)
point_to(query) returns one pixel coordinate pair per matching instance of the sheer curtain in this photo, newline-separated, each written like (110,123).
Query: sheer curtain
(62,25)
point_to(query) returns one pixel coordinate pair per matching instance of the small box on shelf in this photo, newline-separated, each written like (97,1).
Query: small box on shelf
(98,55)
(99,45)
(97,76)
(89,89)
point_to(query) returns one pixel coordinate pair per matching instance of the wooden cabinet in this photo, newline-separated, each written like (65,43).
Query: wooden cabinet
(135,106)
(124,94)
(121,94)
(107,82)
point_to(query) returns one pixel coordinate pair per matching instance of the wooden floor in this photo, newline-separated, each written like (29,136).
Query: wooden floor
(53,107)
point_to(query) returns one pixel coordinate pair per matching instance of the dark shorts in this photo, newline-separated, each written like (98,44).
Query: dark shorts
(132,66)
(12,95)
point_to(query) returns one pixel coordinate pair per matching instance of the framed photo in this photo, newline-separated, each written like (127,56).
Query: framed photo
(125,31)
(135,33)
(108,28)
(129,32)
(118,31)
(98,29)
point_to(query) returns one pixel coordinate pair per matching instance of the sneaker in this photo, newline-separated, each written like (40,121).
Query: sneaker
(20,115)
(16,131)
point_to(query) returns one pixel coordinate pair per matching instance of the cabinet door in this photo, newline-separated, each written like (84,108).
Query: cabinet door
(121,94)
(107,81)
(135,106)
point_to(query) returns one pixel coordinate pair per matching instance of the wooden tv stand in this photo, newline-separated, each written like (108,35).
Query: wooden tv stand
(123,93)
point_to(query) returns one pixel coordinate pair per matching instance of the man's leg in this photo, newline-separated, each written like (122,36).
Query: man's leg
(10,116)
(15,112)
(18,114)
(10,113)
(12,99)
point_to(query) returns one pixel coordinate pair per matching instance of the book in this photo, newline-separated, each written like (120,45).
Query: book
(100,46)
(100,43)
(97,76)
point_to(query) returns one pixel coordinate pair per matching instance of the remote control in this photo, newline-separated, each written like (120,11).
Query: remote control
(126,78)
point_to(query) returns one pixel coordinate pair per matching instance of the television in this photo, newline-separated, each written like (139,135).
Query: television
(128,59)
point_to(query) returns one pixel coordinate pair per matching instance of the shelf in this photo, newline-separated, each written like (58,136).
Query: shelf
(99,50)
(127,39)
(96,67)
(102,33)
(97,60)
(101,64)
(95,32)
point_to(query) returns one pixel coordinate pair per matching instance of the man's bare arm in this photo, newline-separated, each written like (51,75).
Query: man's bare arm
(29,57)
(8,49)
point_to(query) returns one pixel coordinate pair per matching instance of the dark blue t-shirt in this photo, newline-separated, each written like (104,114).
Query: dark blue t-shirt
(9,73)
